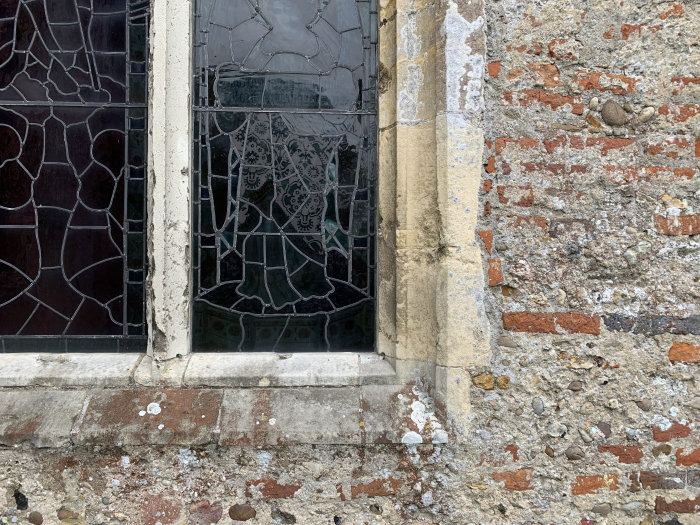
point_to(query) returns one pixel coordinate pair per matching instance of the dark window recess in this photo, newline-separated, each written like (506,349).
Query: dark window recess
(285,177)
(72,168)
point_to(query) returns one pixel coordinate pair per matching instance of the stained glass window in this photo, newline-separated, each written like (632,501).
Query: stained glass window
(284,190)
(72,174)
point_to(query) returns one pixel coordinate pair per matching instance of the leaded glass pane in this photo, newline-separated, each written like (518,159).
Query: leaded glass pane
(72,168)
(285,175)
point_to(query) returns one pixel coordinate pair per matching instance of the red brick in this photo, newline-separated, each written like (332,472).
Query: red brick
(625,454)
(676,430)
(684,352)
(514,73)
(539,167)
(494,68)
(270,488)
(204,513)
(628,29)
(523,143)
(609,34)
(548,323)
(620,175)
(618,84)
(487,239)
(676,143)
(555,101)
(576,142)
(513,449)
(654,481)
(676,9)
(159,509)
(685,506)
(516,195)
(495,272)
(488,184)
(687,460)
(491,164)
(553,46)
(379,487)
(549,73)
(678,224)
(522,222)
(592,484)
(606,144)
(679,113)
(518,480)
(570,195)
(552,144)
(697,147)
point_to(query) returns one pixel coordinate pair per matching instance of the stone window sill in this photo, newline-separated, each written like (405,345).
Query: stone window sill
(224,370)
(52,400)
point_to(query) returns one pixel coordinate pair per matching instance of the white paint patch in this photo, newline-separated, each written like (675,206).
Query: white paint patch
(423,415)
(418,415)
(188,458)
(126,462)
(153,408)
(264,459)
(663,423)
(439,436)
(409,105)
(459,55)
(161,426)
(272,421)
(142,413)
(409,34)
(411,438)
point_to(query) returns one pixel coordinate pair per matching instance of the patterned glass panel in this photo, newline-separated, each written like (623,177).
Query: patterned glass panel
(285,175)
(72,168)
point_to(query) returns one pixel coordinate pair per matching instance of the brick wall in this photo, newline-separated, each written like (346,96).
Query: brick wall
(589,212)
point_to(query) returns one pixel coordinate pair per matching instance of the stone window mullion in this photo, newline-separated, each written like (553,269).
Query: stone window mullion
(168,290)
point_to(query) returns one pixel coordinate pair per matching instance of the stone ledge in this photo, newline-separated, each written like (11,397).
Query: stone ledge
(68,370)
(352,415)
(216,370)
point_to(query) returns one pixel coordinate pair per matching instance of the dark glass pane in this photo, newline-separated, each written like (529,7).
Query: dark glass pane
(64,183)
(284,152)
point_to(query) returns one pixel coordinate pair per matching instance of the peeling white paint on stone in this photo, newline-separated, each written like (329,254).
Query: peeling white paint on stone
(153,408)
(409,104)
(460,60)
(264,459)
(409,34)
(411,438)
(188,458)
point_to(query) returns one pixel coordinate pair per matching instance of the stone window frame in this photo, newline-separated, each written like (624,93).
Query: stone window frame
(432,326)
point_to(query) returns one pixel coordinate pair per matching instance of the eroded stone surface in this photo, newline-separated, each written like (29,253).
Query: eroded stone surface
(41,417)
(137,417)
